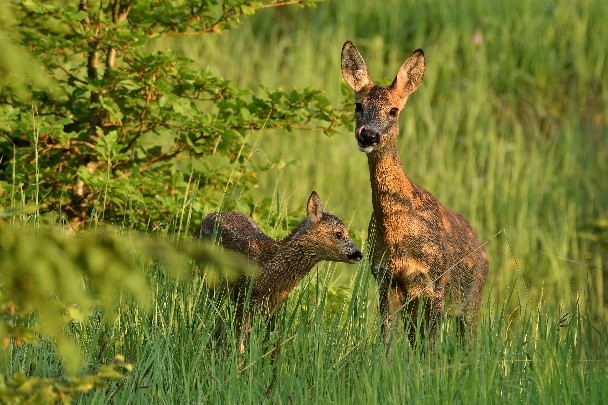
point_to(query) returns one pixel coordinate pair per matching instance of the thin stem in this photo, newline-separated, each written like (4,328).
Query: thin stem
(36,133)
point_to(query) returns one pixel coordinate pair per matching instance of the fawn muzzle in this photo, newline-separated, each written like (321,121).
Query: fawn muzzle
(366,138)
(355,256)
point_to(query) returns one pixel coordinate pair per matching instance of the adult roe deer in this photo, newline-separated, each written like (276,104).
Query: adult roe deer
(320,236)
(422,253)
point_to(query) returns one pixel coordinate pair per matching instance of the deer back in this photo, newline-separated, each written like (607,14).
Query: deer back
(239,233)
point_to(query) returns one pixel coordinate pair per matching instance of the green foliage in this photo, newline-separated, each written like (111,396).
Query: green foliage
(133,135)
(17,66)
(21,389)
(53,283)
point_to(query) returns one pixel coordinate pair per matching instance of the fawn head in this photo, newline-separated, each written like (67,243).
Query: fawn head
(377,108)
(328,234)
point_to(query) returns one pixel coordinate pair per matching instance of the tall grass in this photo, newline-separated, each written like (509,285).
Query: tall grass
(508,128)
(335,354)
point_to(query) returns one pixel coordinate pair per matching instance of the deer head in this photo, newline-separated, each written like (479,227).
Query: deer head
(377,108)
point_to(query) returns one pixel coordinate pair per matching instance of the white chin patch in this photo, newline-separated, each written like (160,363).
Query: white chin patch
(366,149)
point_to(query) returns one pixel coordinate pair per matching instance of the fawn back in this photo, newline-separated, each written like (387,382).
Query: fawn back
(319,236)
(238,233)
(421,251)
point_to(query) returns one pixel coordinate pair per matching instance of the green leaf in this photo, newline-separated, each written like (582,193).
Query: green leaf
(247,9)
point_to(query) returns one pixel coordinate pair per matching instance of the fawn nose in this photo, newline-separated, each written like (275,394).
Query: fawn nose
(366,136)
(355,256)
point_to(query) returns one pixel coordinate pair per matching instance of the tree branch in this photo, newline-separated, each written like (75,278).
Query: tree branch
(92,63)
(212,27)
(120,13)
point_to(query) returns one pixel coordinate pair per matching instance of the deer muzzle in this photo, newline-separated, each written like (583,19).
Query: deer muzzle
(366,138)
(355,256)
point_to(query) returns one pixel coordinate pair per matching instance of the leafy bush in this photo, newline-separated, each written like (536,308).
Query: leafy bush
(127,134)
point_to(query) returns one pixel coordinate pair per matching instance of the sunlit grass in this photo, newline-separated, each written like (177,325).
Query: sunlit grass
(508,127)
(331,351)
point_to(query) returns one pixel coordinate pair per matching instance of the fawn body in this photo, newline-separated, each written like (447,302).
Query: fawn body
(422,253)
(320,236)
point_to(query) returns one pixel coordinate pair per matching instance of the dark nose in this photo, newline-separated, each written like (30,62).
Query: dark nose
(355,256)
(367,137)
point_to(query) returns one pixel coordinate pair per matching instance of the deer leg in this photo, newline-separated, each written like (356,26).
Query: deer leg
(276,351)
(384,305)
(243,328)
(391,300)
(419,320)
(385,315)
(271,326)
(435,317)
(424,307)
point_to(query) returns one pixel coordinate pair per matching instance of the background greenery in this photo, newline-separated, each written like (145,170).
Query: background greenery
(508,128)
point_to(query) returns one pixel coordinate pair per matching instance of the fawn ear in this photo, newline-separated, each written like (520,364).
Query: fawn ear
(410,74)
(314,208)
(354,69)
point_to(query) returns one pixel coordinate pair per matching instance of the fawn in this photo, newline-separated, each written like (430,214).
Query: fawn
(424,257)
(320,236)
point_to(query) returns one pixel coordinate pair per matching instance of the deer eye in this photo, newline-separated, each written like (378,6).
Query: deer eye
(358,107)
(339,235)
(393,112)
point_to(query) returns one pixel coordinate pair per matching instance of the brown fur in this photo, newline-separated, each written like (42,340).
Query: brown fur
(421,251)
(320,236)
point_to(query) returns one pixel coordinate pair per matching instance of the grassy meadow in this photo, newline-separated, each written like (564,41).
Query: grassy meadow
(334,354)
(509,128)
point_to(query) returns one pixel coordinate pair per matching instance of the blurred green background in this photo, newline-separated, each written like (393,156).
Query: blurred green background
(508,128)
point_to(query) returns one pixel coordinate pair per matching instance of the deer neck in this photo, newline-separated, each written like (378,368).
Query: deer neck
(281,273)
(390,185)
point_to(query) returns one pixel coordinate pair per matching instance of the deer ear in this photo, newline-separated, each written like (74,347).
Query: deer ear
(314,208)
(410,74)
(354,69)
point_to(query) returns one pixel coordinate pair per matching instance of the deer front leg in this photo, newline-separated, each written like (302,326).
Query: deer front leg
(271,326)
(391,300)
(389,297)
(243,327)
(385,315)
(424,306)
(436,311)
(383,292)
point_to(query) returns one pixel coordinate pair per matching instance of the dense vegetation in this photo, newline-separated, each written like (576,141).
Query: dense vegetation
(138,115)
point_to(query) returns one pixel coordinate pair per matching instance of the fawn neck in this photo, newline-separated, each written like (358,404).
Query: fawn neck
(292,261)
(295,259)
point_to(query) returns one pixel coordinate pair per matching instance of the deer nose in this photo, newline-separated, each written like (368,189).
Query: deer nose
(367,136)
(355,256)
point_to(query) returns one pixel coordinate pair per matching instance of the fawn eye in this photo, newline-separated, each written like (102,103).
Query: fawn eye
(393,112)
(358,107)
(339,235)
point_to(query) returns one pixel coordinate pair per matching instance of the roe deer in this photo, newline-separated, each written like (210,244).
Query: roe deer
(424,256)
(320,236)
